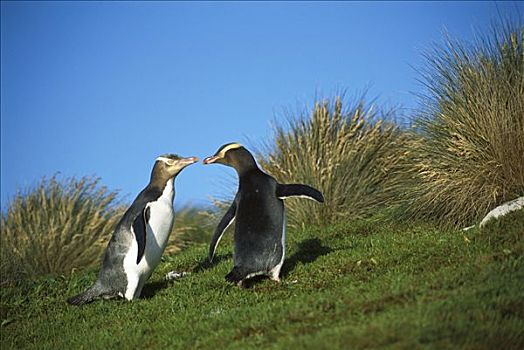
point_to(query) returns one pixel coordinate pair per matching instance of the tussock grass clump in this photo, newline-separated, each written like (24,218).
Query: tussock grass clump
(472,157)
(56,227)
(349,154)
(60,226)
(193,225)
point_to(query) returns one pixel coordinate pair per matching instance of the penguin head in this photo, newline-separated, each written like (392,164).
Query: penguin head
(169,165)
(234,155)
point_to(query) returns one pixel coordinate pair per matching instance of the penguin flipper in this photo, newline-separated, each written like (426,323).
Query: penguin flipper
(289,190)
(226,220)
(140,230)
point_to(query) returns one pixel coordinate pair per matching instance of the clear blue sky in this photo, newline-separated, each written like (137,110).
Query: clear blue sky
(92,88)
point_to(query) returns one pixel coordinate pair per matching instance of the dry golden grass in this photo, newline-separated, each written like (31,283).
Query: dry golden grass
(472,155)
(60,226)
(57,227)
(192,225)
(349,154)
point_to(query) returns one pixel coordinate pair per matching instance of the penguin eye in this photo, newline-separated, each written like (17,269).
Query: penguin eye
(166,160)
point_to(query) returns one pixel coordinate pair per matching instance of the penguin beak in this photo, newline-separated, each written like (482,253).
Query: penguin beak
(189,160)
(210,160)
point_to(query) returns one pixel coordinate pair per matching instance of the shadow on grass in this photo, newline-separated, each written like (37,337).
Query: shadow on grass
(205,264)
(150,289)
(308,251)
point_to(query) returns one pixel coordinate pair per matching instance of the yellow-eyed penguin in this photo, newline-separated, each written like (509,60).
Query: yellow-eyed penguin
(259,212)
(140,237)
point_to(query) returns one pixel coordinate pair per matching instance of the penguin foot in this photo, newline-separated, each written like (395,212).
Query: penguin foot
(236,275)
(275,278)
(274,273)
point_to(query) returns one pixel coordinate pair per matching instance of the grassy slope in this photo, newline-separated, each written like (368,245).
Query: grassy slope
(359,285)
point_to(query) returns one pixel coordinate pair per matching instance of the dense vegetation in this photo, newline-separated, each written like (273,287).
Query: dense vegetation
(472,130)
(56,227)
(350,154)
(61,226)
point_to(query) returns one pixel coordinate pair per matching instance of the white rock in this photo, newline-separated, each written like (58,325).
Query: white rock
(173,275)
(503,209)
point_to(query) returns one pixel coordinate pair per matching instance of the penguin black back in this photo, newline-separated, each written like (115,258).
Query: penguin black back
(259,222)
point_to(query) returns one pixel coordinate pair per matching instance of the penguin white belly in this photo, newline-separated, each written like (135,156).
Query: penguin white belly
(158,230)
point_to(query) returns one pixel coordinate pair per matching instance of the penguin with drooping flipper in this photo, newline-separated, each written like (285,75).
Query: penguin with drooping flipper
(140,236)
(259,215)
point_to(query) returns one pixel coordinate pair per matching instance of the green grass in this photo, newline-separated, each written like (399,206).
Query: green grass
(362,284)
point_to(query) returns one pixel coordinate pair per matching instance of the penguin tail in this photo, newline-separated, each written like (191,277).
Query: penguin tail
(236,275)
(88,296)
